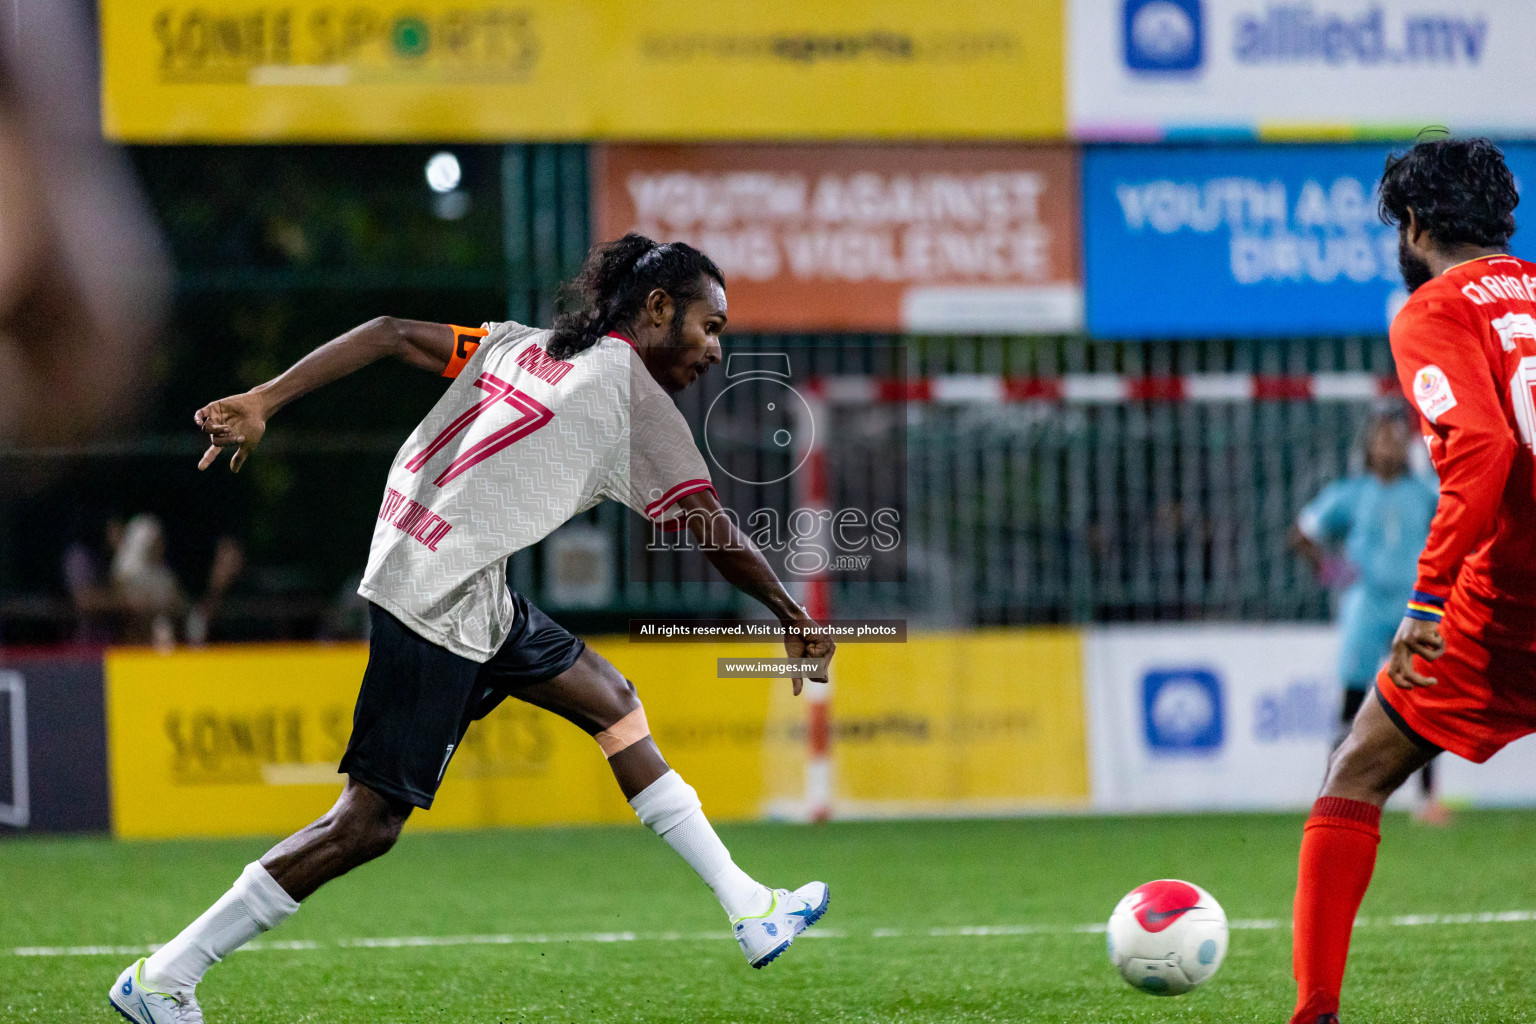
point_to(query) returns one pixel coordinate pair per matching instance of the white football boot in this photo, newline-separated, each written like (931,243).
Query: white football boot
(764,936)
(142,1005)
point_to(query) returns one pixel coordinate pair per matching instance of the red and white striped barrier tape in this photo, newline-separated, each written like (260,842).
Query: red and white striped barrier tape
(1106,388)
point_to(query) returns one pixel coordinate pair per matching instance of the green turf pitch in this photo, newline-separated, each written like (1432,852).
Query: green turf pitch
(893,885)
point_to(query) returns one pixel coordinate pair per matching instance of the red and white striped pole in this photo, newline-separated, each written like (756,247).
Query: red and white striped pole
(818,721)
(811,495)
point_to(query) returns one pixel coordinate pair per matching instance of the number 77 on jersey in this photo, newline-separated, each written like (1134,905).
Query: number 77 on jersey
(533,416)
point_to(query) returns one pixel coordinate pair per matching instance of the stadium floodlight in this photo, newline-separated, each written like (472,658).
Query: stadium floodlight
(443,172)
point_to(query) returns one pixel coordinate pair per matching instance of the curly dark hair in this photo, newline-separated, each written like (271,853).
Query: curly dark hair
(614,282)
(1460,190)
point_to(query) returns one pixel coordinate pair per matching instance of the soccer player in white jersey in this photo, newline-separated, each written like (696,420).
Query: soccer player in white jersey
(536,427)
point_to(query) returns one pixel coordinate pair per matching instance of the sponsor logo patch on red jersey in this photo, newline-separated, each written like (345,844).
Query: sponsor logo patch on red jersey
(1432,390)
(1163,902)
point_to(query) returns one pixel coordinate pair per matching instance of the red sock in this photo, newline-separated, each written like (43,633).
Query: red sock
(1338,851)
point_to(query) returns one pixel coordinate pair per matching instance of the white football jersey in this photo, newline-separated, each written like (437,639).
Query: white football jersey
(518,445)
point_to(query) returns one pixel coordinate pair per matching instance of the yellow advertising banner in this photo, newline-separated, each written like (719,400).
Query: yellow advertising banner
(497,70)
(969,722)
(245,740)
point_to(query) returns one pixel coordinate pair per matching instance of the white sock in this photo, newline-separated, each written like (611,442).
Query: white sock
(254,904)
(670,808)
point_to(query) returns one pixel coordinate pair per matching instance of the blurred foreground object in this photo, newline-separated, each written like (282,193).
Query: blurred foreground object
(82,272)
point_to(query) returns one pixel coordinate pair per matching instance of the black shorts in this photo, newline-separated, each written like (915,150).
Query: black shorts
(418,699)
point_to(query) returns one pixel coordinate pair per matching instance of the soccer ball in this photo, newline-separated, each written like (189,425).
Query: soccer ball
(1167,937)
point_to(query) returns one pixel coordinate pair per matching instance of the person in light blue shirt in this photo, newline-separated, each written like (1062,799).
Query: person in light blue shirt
(1380,519)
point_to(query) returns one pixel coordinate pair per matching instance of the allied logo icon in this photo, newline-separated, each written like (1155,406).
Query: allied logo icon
(1182,711)
(1163,35)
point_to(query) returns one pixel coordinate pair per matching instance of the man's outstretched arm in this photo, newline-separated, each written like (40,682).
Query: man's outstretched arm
(240,421)
(737,559)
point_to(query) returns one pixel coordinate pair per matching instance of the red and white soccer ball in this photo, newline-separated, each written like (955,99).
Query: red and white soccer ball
(1167,937)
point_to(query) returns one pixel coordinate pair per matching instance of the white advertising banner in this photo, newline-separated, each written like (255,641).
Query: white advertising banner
(1234,717)
(1147,69)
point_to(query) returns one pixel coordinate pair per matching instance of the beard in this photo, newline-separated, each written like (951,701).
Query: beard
(679,359)
(1414,268)
(675,332)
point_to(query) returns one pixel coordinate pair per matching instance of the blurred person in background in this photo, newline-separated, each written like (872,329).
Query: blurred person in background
(145,586)
(85,568)
(148,595)
(1379,520)
(82,273)
(227,565)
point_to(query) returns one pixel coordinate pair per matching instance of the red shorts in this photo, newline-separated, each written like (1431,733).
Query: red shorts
(1484,700)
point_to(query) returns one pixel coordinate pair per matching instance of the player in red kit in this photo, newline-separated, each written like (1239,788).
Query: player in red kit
(1462,672)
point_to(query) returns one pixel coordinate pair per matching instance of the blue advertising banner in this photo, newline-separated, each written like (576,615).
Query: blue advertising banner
(1198,241)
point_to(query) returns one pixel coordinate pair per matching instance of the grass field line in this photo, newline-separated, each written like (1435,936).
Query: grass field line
(962,931)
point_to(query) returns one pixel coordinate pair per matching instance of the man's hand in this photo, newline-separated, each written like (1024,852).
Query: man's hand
(743,566)
(802,639)
(1414,636)
(1313,553)
(235,422)
(239,421)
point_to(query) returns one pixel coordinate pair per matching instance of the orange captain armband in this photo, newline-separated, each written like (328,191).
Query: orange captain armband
(465,341)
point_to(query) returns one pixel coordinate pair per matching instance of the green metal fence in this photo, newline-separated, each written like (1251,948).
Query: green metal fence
(1133,511)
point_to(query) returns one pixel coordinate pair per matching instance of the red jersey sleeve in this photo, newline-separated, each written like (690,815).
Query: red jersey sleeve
(1445,373)
(465,341)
